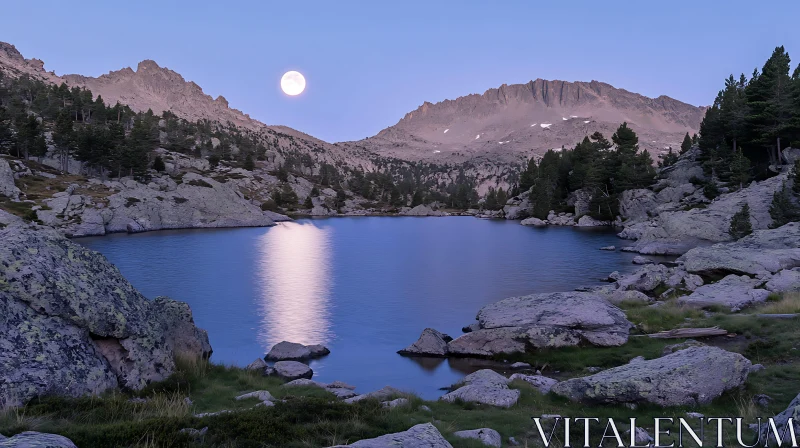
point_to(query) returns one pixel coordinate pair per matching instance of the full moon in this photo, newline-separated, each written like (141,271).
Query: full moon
(293,83)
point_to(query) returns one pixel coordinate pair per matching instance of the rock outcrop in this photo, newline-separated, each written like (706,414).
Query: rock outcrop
(70,324)
(762,252)
(542,383)
(196,202)
(695,375)
(430,343)
(7,186)
(543,321)
(424,435)
(422,210)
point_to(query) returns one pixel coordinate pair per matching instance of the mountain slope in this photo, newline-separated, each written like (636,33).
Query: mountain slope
(527,119)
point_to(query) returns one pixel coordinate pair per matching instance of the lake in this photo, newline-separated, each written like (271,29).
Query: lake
(363,286)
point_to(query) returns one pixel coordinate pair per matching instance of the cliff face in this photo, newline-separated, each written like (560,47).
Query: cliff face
(532,118)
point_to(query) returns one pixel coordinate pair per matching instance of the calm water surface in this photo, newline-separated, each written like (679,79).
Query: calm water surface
(363,286)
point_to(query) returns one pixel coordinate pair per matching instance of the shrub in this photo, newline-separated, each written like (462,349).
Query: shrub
(740,223)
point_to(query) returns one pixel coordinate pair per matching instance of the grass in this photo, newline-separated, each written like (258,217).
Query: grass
(311,417)
(788,304)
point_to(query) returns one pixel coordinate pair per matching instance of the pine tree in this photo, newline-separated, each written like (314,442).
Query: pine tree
(308,203)
(7,138)
(769,104)
(740,223)
(687,143)
(158,164)
(490,201)
(783,210)
(739,169)
(794,176)
(249,164)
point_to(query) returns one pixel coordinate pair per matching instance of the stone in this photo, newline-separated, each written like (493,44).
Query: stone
(55,295)
(7,186)
(757,368)
(486,387)
(640,437)
(430,343)
(283,351)
(618,296)
(764,251)
(292,370)
(733,292)
(542,383)
(381,394)
(425,408)
(513,441)
(588,221)
(641,260)
(487,436)
(520,365)
(695,415)
(762,400)
(341,385)
(258,365)
(611,248)
(543,321)
(645,279)
(471,327)
(424,435)
(533,222)
(31,439)
(395,403)
(195,433)
(423,210)
(692,376)
(637,204)
(784,281)
(260,395)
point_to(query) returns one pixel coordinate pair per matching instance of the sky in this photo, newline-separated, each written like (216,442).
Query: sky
(368,63)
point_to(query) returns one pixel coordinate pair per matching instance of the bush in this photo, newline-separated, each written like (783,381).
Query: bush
(710,190)
(158,164)
(740,223)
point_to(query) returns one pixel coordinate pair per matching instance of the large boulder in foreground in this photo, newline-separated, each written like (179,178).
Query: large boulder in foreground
(71,324)
(424,435)
(430,343)
(31,439)
(543,321)
(695,375)
(762,252)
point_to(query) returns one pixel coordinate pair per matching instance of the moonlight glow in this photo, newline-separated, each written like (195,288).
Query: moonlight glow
(293,83)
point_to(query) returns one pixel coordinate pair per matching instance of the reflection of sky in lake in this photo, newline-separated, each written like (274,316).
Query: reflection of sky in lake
(294,279)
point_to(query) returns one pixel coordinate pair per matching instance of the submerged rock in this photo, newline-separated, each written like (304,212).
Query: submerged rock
(430,343)
(424,435)
(284,350)
(487,436)
(541,321)
(695,375)
(70,324)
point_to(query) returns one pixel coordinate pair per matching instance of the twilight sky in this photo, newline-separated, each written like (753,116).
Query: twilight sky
(367,63)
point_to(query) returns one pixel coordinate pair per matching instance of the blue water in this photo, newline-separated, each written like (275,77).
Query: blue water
(364,286)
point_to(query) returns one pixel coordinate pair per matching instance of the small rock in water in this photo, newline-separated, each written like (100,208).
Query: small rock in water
(341,385)
(284,350)
(430,343)
(608,248)
(488,436)
(641,260)
(292,370)
(520,365)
